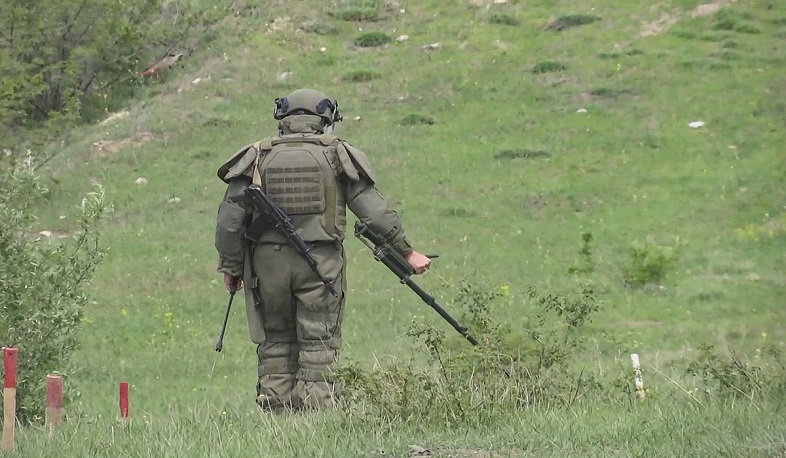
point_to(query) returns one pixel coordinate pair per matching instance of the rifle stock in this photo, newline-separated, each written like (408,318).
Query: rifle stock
(394,261)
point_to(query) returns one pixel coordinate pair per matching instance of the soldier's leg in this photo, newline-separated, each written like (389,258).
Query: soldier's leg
(277,348)
(319,316)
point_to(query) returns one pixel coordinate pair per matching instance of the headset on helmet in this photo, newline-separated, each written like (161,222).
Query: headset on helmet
(308,101)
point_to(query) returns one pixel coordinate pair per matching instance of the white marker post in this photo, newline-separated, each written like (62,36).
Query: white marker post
(10,358)
(634,359)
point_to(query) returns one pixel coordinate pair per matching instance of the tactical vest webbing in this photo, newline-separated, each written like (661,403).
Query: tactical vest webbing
(298,175)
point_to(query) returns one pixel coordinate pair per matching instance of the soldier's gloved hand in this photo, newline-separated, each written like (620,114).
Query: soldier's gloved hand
(419,261)
(232,283)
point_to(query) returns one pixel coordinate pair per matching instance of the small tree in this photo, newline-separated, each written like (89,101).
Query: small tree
(42,283)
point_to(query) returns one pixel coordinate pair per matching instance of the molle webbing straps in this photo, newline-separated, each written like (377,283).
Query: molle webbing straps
(256,178)
(298,189)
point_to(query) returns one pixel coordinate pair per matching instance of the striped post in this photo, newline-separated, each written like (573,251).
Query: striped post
(124,407)
(10,364)
(54,401)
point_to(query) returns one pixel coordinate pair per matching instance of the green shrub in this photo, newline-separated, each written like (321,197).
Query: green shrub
(320,28)
(504,19)
(521,154)
(570,21)
(42,284)
(729,376)
(747,28)
(359,11)
(548,66)
(510,370)
(360,76)
(372,39)
(648,264)
(726,23)
(610,93)
(71,61)
(586,265)
(414,119)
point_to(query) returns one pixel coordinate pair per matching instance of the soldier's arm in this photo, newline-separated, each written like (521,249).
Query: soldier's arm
(232,221)
(372,209)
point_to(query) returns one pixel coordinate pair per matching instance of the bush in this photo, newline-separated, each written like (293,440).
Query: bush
(731,377)
(510,370)
(570,21)
(42,284)
(548,66)
(414,119)
(372,39)
(320,28)
(649,263)
(359,11)
(503,19)
(360,76)
(70,61)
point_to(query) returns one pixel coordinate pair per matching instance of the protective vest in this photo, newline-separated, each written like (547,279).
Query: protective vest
(301,174)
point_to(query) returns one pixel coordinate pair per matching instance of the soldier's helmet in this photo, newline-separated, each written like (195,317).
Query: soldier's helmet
(308,101)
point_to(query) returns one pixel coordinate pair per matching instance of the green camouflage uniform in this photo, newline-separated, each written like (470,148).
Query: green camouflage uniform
(292,316)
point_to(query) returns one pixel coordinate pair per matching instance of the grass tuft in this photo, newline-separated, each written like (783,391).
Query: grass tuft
(359,11)
(548,66)
(414,119)
(521,154)
(360,76)
(610,93)
(320,28)
(504,19)
(372,39)
(571,21)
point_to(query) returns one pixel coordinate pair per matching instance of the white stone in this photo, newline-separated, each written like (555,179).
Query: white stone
(141,181)
(695,124)
(581,110)
(174,200)
(402,38)
(284,76)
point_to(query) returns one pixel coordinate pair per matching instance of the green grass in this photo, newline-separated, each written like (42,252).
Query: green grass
(629,171)
(234,429)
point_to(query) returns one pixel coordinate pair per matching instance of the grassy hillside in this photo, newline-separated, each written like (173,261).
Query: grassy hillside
(502,142)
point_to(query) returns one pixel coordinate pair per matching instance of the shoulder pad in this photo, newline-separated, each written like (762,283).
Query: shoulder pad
(327,139)
(240,162)
(354,162)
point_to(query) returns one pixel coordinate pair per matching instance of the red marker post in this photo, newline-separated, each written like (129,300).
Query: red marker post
(10,364)
(124,402)
(54,401)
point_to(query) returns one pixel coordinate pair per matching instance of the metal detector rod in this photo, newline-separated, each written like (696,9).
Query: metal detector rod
(220,343)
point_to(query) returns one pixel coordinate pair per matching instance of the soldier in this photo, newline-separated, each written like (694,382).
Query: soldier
(292,317)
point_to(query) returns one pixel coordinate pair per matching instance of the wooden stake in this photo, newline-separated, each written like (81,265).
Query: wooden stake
(124,407)
(10,362)
(54,401)
(634,359)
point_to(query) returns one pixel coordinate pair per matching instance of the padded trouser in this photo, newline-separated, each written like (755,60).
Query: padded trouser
(297,325)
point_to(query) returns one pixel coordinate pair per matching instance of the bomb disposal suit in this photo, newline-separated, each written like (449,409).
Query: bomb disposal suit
(313,176)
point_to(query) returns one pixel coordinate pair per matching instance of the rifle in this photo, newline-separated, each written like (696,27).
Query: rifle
(270,213)
(394,261)
(220,343)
